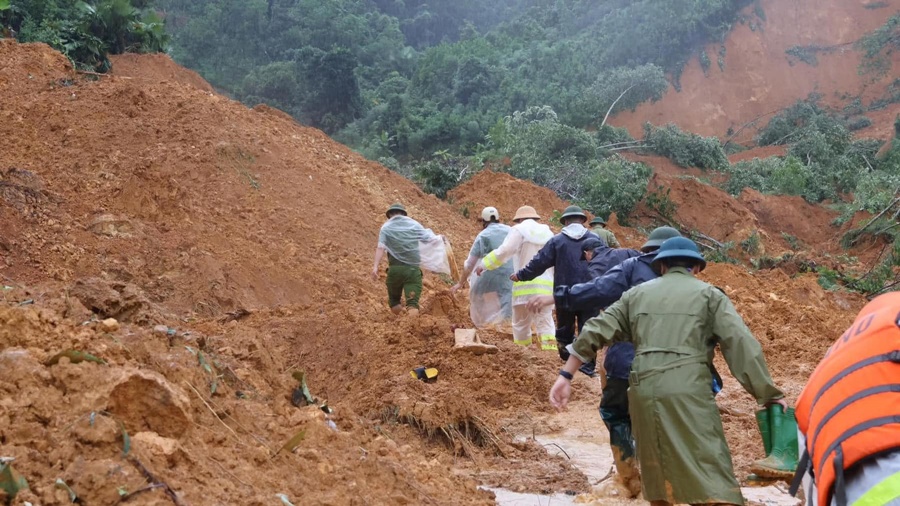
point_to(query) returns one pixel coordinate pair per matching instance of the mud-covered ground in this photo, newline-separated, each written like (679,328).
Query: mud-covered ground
(232,248)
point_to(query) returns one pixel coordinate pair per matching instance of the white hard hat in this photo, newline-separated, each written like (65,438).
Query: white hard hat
(490,212)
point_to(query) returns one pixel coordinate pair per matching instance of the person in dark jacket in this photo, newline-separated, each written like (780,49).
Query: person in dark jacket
(601,258)
(563,254)
(601,292)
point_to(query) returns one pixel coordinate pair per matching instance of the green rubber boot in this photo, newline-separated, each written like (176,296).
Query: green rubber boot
(764,424)
(782,460)
(763,421)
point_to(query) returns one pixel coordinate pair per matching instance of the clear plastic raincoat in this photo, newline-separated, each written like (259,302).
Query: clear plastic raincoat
(408,242)
(490,295)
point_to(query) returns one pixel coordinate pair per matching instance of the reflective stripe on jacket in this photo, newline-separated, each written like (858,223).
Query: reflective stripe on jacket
(850,408)
(521,244)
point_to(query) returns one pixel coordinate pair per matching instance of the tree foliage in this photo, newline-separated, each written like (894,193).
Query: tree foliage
(87,31)
(878,46)
(685,148)
(433,76)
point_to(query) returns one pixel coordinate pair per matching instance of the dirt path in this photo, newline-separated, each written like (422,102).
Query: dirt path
(579,436)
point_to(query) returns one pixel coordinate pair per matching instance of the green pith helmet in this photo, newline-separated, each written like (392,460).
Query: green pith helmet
(680,247)
(598,221)
(572,211)
(659,236)
(396,207)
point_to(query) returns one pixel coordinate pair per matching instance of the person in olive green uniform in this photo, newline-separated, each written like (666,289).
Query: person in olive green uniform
(400,236)
(675,322)
(599,228)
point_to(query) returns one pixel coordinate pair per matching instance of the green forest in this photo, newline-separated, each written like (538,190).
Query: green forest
(440,90)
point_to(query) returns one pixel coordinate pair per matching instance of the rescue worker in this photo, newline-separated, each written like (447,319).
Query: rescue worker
(563,254)
(490,300)
(601,258)
(601,292)
(401,236)
(521,244)
(598,226)
(849,414)
(675,323)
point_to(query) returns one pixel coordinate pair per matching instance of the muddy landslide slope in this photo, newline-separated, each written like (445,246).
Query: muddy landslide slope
(232,247)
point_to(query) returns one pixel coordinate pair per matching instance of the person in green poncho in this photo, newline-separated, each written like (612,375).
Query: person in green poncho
(675,322)
(598,225)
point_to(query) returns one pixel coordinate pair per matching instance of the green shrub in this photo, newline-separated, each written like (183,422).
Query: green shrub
(878,46)
(610,135)
(859,123)
(750,245)
(615,185)
(439,176)
(684,148)
(705,62)
(87,31)
(790,177)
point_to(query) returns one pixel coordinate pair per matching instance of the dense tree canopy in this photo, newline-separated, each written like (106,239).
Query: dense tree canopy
(412,77)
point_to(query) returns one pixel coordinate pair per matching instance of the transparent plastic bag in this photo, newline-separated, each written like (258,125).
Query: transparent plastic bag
(411,243)
(490,298)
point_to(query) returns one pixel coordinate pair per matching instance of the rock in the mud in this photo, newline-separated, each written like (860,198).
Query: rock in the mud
(112,299)
(144,401)
(111,225)
(154,444)
(110,325)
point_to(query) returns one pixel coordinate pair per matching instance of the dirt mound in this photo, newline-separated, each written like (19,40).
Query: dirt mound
(156,68)
(249,238)
(701,207)
(757,224)
(26,64)
(234,247)
(506,193)
(778,215)
(757,78)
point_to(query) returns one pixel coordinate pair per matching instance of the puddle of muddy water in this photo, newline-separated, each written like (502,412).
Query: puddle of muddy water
(584,440)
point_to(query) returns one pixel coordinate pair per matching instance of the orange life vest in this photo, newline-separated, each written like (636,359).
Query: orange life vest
(850,408)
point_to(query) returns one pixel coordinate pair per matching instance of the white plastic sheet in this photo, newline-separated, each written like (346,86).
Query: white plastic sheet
(411,243)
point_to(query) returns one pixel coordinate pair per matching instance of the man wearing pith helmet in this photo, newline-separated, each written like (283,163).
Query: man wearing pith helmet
(522,242)
(399,237)
(675,322)
(598,226)
(563,254)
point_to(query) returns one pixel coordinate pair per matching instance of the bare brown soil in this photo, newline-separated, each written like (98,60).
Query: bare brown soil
(233,248)
(156,68)
(506,193)
(759,78)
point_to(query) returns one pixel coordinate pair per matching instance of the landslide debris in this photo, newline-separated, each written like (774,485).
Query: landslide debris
(164,206)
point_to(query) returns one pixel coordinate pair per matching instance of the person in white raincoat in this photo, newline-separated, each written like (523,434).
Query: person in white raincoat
(490,295)
(524,240)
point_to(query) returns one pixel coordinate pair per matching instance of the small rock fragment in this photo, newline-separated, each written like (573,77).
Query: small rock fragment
(110,325)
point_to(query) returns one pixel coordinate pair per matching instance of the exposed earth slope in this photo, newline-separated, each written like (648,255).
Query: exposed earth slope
(233,247)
